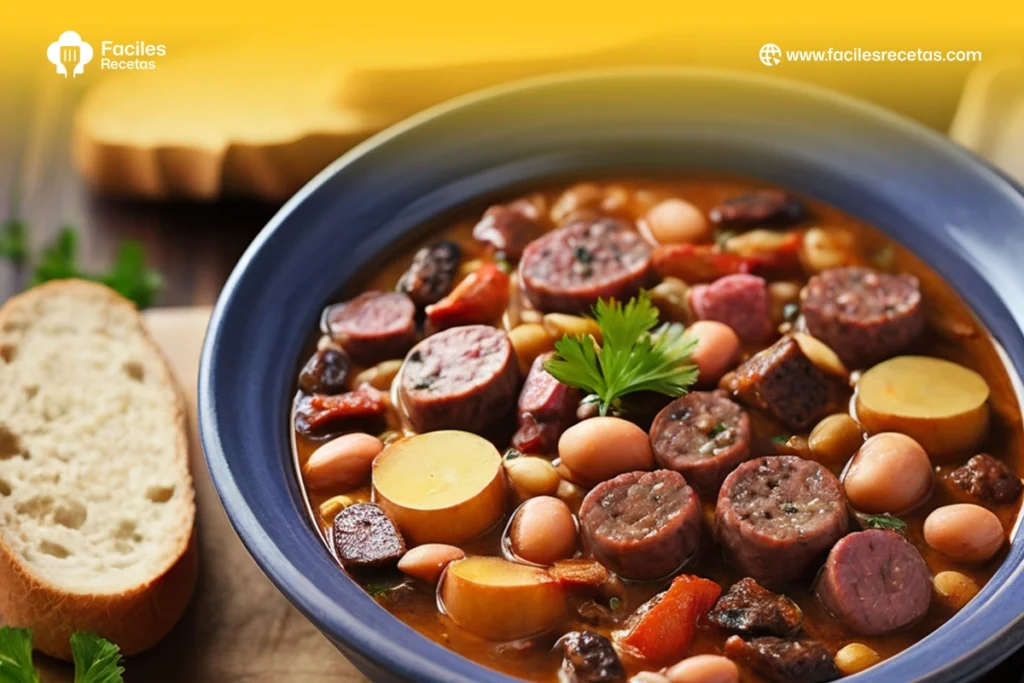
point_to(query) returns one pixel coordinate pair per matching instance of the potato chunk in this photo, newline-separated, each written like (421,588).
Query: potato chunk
(941,405)
(501,600)
(441,487)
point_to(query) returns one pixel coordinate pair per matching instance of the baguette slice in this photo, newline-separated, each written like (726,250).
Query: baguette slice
(96,499)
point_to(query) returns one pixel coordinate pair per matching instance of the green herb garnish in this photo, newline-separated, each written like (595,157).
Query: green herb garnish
(724,236)
(512,454)
(718,429)
(378,590)
(96,660)
(14,240)
(884,258)
(615,604)
(790,311)
(129,275)
(631,359)
(781,439)
(885,521)
(504,265)
(16,656)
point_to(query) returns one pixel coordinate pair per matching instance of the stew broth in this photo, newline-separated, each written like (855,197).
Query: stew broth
(952,333)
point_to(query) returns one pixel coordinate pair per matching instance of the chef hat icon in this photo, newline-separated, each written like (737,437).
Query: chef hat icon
(69,39)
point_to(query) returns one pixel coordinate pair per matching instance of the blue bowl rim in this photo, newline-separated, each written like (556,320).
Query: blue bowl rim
(365,641)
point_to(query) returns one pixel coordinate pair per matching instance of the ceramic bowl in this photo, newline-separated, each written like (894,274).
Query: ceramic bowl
(958,214)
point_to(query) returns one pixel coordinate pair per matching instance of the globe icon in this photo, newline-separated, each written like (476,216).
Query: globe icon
(770,54)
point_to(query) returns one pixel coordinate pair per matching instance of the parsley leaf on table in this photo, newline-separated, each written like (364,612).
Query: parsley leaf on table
(16,656)
(96,660)
(129,275)
(13,240)
(632,358)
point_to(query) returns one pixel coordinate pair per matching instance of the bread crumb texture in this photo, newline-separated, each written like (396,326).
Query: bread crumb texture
(95,493)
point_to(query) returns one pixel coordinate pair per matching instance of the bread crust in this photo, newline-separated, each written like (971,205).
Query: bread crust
(138,616)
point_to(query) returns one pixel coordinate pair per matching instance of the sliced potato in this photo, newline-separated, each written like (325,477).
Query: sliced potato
(441,487)
(942,405)
(821,354)
(501,600)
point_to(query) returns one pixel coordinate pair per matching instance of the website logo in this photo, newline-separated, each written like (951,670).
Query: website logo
(770,54)
(69,54)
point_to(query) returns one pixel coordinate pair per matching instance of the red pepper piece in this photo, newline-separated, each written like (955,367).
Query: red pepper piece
(481,297)
(663,628)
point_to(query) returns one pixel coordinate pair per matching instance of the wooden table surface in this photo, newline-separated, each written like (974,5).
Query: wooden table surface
(247,632)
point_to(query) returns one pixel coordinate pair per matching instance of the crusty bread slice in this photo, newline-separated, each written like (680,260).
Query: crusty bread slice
(96,499)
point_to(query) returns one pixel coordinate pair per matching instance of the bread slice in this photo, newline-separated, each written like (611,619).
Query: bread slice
(96,499)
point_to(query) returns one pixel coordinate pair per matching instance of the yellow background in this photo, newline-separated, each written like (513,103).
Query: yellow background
(725,33)
(715,27)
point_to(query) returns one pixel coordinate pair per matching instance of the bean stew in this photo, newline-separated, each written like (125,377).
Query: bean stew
(660,430)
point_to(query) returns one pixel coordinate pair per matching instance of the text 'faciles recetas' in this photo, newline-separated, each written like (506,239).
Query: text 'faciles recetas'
(130,56)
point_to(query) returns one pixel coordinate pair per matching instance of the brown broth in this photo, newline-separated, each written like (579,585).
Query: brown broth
(953,333)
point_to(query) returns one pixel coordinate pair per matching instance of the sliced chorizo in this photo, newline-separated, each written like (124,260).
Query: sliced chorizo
(863,315)
(569,269)
(759,207)
(703,436)
(508,228)
(643,525)
(876,582)
(372,327)
(777,516)
(461,378)
(546,409)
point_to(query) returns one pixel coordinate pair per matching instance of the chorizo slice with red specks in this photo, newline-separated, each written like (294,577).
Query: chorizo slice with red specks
(760,207)
(508,228)
(777,516)
(876,582)
(461,378)
(703,436)
(372,327)
(321,413)
(863,315)
(569,269)
(546,409)
(643,525)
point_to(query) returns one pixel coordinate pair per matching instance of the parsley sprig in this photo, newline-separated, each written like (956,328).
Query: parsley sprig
(16,656)
(884,521)
(633,357)
(129,275)
(96,660)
